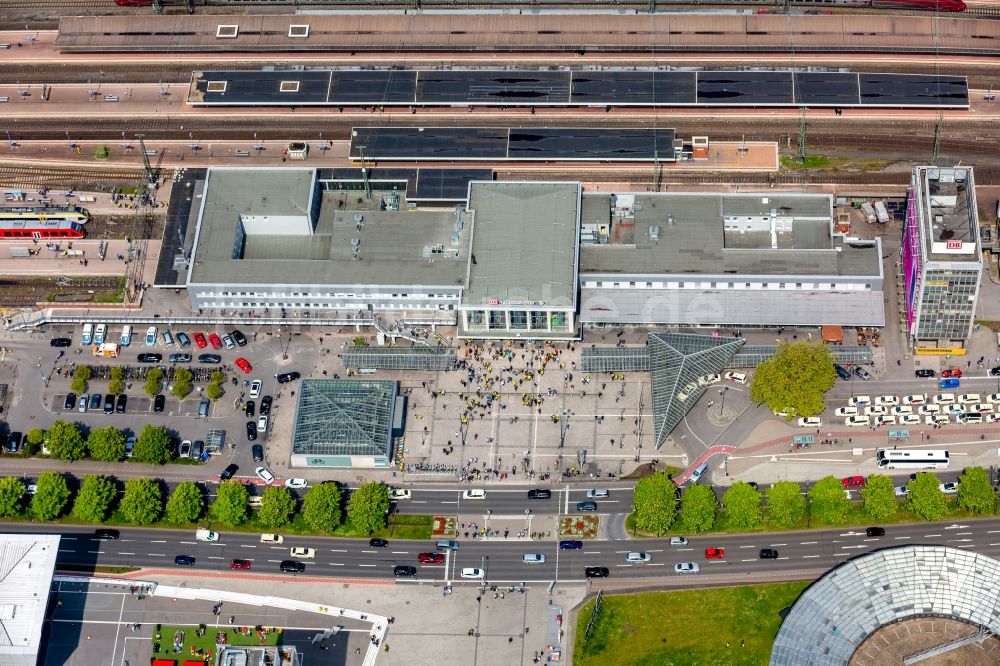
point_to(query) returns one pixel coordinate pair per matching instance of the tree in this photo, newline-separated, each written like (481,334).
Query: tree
(925,497)
(218,377)
(321,507)
(33,443)
(66,442)
(153,379)
(698,508)
(742,503)
(214,391)
(232,503)
(880,498)
(975,493)
(368,507)
(276,507)
(654,503)
(795,379)
(152,446)
(93,502)
(101,153)
(182,383)
(11,496)
(107,444)
(185,504)
(830,503)
(117,383)
(81,375)
(142,502)
(786,507)
(50,499)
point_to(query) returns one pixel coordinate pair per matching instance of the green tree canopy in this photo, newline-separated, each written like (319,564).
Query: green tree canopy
(880,498)
(66,442)
(925,498)
(50,500)
(214,391)
(742,503)
(218,377)
(654,503)
(117,383)
(786,507)
(830,503)
(185,504)
(153,446)
(34,441)
(142,502)
(182,383)
(81,375)
(975,493)
(107,444)
(698,508)
(232,503)
(11,496)
(153,379)
(321,507)
(795,379)
(93,502)
(368,507)
(276,507)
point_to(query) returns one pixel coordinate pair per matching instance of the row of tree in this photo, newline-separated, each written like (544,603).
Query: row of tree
(181,388)
(143,502)
(658,505)
(66,441)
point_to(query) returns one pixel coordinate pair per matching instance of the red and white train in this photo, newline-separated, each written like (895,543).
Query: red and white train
(36,222)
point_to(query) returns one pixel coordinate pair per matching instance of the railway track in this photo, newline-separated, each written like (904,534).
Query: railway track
(80,178)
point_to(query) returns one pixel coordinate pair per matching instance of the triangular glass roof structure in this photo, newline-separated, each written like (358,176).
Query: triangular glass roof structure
(681,368)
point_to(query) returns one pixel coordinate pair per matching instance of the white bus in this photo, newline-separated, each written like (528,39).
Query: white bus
(912,459)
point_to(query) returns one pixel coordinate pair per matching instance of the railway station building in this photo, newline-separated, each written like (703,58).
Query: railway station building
(941,259)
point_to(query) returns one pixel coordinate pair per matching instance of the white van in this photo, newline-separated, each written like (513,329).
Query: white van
(272,538)
(474,494)
(971,417)
(126,338)
(101,333)
(944,399)
(206,535)
(846,411)
(88,333)
(698,472)
(533,558)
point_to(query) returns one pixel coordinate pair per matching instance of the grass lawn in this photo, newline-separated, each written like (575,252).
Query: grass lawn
(685,627)
(206,642)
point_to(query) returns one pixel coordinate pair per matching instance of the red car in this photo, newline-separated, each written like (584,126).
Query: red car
(244,365)
(199,339)
(216,342)
(853,481)
(240,564)
(715,553)
(431,558)
(952,372)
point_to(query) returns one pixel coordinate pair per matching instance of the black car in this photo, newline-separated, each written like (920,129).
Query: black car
(995,371)
(378,543)
(286,377)
(197,449)
(240,339)
(95,401)
(539,493)
(292,566)
(926,372)
(209,358)
(258,453)
(149,357)
(60,342)
(70,402)
(586,506)
(109,403)
(265,405)
(183,340)
(120,404)
(768,554)
(249,408)
(596,572)
(404,570)
(184,561)
(159,402)
(841,371)
(570,544)
(107,535)
(252,431)
(875,532)
(180,357)
(229,472)
(13,442)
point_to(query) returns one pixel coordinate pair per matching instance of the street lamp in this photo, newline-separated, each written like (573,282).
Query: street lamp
(563,427)
(722,398)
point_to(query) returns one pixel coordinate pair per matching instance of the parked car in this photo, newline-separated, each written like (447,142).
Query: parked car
(109,403)
(185,449)
(861,373)
(81,405)
(296,483)
(60,342)
(841,371)
(737,377)
(255,388)
(199,340)
(924,373)
(249,408)
(238,336)
(430,558)
(183,340)
(70,401)
(229,472)
(264,474)
(262,423)
(121,403)
(244,365)
(856,481)
(596,572)
(159,402)
(228,341)
(539,493)
(292,566)
(286,377)
(954,373)
(13,442)
(810,422)
(149,357)
(949,488)
(404,570)
(150,336)
(258,453)
(209,359)
(265,405)
(214,339)
(95,401)
(251,431)
(197,449)
(130,445)
(179,357)
(950,383)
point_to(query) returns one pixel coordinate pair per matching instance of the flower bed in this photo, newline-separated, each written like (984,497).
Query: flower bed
(584,527)
(444,526)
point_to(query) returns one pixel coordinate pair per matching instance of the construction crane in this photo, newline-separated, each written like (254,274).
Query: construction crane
(143,224)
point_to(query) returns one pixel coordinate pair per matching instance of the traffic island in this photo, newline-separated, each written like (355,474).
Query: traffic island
(583,527)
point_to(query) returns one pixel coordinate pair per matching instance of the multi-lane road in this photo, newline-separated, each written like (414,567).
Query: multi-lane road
(800,552)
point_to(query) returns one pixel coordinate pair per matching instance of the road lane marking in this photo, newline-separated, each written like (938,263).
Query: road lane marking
(806,557)
(336,564)
(155,555)
(778,544)
(124,553)
(66,550)
(748,546)
(807,543)
(164,541)
(963,533)
(748,560)
(903,537)
(366,565)
(928,536)
(338,550)
(400,552)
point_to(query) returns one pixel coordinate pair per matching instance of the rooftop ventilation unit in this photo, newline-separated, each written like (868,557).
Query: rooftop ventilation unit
(654,232)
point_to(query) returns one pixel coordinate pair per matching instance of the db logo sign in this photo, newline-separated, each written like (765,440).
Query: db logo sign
(954,245)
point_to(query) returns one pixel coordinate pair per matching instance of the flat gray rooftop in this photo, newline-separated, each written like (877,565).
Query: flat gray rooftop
(686,234)
(396,247)
(949,213)
(524,243)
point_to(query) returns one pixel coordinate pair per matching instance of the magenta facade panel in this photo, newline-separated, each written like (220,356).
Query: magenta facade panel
(911,257)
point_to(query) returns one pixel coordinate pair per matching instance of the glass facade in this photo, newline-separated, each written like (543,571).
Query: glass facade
(948,304)
(344,417)
(400,358)
(517,323)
